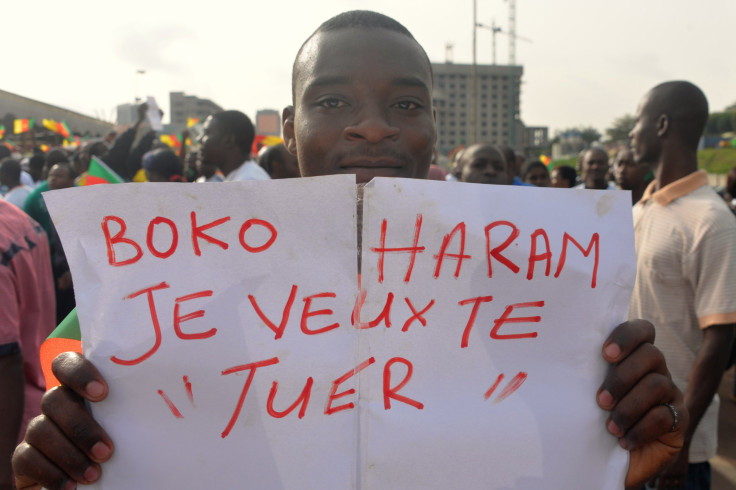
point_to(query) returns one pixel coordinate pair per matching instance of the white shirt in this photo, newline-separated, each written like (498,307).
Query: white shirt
(17,195)
(249,170)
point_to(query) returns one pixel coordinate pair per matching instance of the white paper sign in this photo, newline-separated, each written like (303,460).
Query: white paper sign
(240,353)
(153,114)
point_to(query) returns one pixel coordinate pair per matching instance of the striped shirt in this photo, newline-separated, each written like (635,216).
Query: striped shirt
(686,279)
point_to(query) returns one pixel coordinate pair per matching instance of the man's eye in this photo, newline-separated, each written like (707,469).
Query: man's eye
(407,105)
(332,103)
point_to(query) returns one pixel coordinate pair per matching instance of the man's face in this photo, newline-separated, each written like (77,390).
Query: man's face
(363,105)
(645,143)
(59,177)
(538,176)
(595,165)
(211,150)
(629,174)
(483,164)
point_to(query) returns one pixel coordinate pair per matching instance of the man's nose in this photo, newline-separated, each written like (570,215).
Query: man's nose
(371,125)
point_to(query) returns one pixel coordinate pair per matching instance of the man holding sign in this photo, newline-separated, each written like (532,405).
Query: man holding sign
(363,106)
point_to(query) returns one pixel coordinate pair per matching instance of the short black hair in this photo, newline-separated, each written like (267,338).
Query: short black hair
(531,165)
(10,167)
(568,173)
(68,167)
(239,125)
(356,18)
(4,151)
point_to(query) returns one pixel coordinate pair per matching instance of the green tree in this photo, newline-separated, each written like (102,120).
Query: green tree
(619,130)
(590,135)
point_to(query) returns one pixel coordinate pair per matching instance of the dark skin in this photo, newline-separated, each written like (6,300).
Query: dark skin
(219,148)
(595,169)
(368,114)
(483,164)
(664,138)
(11,411)
(631,176)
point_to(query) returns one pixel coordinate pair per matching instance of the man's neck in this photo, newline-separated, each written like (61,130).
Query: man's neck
(233,163)
(596,184)
(673,165)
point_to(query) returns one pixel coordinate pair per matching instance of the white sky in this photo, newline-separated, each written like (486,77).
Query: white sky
(590,60)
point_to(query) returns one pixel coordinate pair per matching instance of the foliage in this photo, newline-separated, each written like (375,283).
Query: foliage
(619,130)
(570,162)
(720,122)
(717,160)
(590,135)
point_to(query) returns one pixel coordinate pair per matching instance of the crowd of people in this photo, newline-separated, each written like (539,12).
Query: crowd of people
(349,100)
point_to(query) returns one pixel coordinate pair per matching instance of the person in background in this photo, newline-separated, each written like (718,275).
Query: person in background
(226,142)
(686,265)
(483,163)
(536,173)
(61,176)
(632,176)
(35,167)
(35,206)
(10,178)
(512,168)
(162,165)
(564,177)
(27,313)
(595,170)
(278,162)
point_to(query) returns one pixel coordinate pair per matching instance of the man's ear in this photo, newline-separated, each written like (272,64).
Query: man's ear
(287,118)
(663,124)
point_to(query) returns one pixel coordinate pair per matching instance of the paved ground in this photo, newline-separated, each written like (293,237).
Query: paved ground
(724,464)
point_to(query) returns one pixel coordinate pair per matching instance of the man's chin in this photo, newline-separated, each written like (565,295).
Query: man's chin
(365,175)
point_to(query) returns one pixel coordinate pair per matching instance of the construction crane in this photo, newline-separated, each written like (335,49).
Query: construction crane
(512,44)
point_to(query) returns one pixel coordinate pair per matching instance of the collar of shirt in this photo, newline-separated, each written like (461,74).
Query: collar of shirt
(676,189)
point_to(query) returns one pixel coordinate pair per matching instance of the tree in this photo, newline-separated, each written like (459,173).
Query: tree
(590,135)
(620,129)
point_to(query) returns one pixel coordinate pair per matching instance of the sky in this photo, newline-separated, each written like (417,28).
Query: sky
(586,62)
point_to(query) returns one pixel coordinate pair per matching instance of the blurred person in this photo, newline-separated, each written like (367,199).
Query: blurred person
(80,163)
(564,177)
(35,167)
(631,176)
(595,170)
(483,163)
(208,172)
(61,176)
(226,142)
(26,319)
(10,178)
(536,174)
(34,205)
(686,264)
(278,162)
(162,165)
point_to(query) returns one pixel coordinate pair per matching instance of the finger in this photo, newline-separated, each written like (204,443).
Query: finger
(626,338)
(645,399)
(32,471)
(47,438)
(622,377)
(66,409)
(76,372)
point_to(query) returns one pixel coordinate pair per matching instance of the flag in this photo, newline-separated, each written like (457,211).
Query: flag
(545,159)
(262,140)
(100,173)
(66,337)
(63,129)
(191,121)
(22,125)
(2,131)
(49,124)
(172,140)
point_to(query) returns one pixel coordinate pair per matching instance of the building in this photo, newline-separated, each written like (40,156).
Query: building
(536,138)
(127,114)
(497,108)
(183,107)
(268,122)
(14,106)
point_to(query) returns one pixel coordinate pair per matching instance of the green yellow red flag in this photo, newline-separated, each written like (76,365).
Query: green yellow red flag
(22,125)
(100,173)
(66,337)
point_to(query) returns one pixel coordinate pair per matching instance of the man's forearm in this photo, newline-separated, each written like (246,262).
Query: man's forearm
(707,372)
(11,411)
